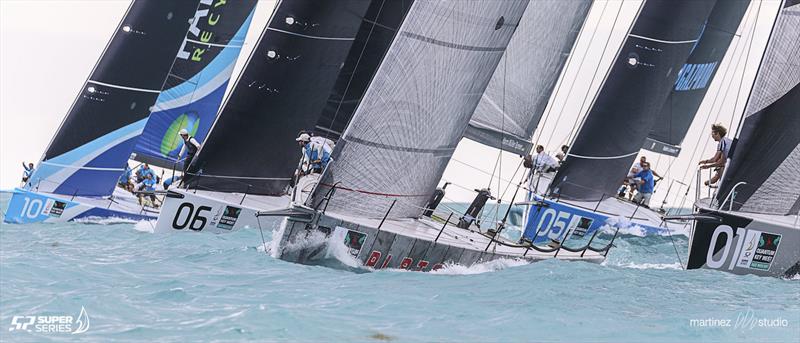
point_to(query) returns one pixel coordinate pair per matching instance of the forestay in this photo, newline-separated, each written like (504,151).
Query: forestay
(631,97)
(767,154)
(89,152)
(418,105)
(514,101)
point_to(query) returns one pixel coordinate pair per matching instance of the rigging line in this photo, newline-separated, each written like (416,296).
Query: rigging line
(360,55)
(716,98)
(741,80)
(561,79)
(577,73)
(725,75)
(575,129)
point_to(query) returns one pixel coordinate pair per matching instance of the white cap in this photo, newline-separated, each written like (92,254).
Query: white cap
(183,132)
(304,137)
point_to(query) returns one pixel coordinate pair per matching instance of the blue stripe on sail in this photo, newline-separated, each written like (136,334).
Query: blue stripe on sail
(198,98)
(51,174)
(90,182)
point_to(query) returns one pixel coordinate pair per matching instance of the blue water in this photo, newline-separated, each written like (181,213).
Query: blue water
(136,285)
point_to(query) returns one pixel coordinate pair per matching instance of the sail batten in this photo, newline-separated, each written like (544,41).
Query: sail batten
(631,97)
(417,106)
(93,143)
(518,93)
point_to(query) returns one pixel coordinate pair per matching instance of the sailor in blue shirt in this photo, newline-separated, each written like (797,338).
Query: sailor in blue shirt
(148,185)
(143,171)
(646,185)
(317,154)
(125,179)
(26,175)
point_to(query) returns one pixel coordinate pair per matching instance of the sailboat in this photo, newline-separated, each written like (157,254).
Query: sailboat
(751,225)
(371,199)
(115,99)
(172,60)
(307,72)
(581,197)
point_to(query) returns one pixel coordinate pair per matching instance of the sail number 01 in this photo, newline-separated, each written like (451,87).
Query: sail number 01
(194,220)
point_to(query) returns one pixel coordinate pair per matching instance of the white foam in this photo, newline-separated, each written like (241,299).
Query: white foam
(148,226)
(338,250)
(675,265)
(480,268)
(104,221)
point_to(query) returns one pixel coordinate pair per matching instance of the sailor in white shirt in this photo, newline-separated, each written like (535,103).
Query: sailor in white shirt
(720,157)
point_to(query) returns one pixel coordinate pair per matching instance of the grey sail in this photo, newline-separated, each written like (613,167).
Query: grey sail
(418,105)
(767,154)
(631,97)
(695,77)
(520,88)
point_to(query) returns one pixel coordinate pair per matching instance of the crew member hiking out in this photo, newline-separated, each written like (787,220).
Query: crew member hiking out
(190,146)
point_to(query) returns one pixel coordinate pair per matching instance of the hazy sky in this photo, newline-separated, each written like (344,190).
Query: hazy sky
(48,48)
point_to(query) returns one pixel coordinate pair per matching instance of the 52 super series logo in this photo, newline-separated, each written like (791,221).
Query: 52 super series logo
(51,324)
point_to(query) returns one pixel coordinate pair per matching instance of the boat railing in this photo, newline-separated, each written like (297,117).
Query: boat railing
(731,197)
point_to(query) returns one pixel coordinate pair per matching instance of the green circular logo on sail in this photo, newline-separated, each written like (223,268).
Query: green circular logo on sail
(171,143)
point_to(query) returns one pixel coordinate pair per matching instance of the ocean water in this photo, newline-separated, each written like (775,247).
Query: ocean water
(135,285)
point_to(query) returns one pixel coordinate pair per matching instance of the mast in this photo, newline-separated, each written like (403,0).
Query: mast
(628,103)
(418,105)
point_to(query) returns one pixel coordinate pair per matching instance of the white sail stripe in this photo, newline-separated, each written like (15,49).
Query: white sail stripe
(664,41)
(244,177)
(214,44)
(312,37)
(603,157)
(81,167)
(125,87)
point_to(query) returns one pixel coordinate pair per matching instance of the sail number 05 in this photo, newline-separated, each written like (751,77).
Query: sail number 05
(194,219)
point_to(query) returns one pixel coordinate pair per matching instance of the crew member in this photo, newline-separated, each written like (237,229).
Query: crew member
(317,154)
(646,185)
(190,146)
(28,172)
(720,157)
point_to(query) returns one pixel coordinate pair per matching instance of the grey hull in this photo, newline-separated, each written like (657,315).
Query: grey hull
(418,245)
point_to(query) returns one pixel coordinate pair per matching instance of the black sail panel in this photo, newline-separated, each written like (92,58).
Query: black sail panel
(282,90)
(695,77)
(89,151)
(766,156)
(631,97)
(373,40)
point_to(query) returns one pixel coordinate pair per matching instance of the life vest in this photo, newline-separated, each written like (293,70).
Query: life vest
(191,149)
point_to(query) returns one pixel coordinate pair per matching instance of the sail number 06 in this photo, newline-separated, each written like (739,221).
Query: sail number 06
(194,220)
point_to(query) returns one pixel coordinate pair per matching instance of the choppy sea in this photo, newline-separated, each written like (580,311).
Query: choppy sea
(135,285)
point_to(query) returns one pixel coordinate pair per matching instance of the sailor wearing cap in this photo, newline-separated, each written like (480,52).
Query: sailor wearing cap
(315,152)
(190,146)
